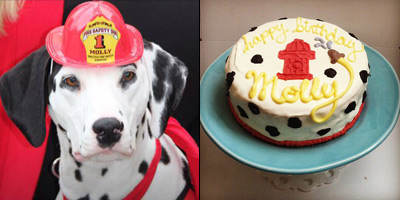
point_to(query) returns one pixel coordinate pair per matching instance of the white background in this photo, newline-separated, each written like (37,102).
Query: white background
(376,23)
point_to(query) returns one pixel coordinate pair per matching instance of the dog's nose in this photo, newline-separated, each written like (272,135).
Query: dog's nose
(108,131)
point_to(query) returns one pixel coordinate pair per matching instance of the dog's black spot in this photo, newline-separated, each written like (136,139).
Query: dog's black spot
(164,156)
(85,197)
(149,130)
(242,112)
(79,164)
(70,152)
(143,118)
(253,29)
(148,104)
(330,72)
(120,112)
(51,81)
(143,167)
(78,175)
(350,107)
(104,171)
(147,45)
(364,96)
(160,63)
(283,18)
(323,131)
(352,35)
(104,197)
(186,177)
(294,122)
(61,128)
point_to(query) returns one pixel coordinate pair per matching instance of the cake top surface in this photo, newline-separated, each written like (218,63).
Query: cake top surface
(298,66)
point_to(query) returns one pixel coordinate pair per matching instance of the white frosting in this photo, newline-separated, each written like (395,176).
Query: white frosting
(277,115)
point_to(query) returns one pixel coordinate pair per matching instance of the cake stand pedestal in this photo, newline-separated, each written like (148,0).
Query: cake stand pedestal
(302,182)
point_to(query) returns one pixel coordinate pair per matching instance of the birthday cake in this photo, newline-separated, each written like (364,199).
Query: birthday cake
(297,82)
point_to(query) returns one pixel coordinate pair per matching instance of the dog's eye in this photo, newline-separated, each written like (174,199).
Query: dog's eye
(71,81)
(128,75)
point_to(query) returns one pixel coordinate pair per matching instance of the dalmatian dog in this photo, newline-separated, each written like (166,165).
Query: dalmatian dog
(108,120)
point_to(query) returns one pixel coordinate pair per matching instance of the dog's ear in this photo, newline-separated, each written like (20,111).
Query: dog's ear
(167,76)
(23,91)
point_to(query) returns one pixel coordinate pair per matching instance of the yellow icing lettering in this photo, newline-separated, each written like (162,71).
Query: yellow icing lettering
(271,32)
(303,88)
(256,40)
(314,90)
(264,35)
(247,44)
(353,56)
(253,91)
(292,94)
(283,34)
(299,26)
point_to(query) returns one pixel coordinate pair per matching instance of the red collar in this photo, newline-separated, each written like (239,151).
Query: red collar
(140,190)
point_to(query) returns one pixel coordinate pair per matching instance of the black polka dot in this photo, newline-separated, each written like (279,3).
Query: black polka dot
(364,76)
(294,122)
(229,78)
(257,59)
(352,35)
(272,130)
(283,18)
(350,107)
(253,108)
(364,96)
(252,29)
(143,167)
(78,175)
(320,20)
(226,60)
(323,131)
(242,112)
(330,73)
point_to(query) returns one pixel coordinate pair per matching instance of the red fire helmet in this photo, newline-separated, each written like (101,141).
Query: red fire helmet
(95,35)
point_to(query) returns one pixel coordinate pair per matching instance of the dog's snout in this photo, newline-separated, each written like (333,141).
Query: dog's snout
(108,131)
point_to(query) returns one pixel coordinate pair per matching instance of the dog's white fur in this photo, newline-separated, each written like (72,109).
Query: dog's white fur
(111,171)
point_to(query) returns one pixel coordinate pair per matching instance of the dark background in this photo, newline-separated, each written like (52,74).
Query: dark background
(175,26)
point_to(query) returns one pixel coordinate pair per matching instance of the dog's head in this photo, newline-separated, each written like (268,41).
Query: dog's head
(99,110)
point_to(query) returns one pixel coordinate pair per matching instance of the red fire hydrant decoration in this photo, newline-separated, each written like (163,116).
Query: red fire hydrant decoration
(296,55)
